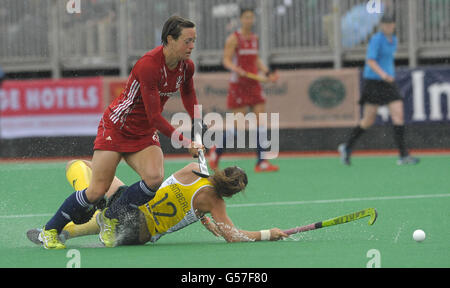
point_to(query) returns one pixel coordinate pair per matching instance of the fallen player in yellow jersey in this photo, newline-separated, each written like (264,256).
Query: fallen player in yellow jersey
(184,198)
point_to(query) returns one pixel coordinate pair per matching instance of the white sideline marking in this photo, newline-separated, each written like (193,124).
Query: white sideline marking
(283,203)
(340,200)
(24,216)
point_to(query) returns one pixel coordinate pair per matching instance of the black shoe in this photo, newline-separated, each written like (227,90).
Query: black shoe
(345,154)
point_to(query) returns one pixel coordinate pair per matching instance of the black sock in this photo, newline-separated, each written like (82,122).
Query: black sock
(259,149)
(354,135)
(399,137)
(220,150)
(227,134)
(75,208)
(136,195)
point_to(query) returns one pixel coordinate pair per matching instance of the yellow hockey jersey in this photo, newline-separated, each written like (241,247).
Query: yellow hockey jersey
(172,207)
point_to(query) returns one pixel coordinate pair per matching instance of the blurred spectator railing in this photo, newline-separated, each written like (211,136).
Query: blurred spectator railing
(24,38)
(42,35)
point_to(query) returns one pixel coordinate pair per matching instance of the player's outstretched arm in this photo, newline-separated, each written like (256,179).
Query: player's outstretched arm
(210,225)
(226,229)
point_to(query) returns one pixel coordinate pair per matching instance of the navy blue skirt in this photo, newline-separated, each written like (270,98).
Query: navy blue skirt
(379,92)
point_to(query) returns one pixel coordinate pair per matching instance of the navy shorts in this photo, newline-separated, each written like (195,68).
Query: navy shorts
(379,92)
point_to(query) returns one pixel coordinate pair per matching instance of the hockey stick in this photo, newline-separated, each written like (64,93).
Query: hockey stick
(198,128)
(369,212)
(260,78)
(256,77)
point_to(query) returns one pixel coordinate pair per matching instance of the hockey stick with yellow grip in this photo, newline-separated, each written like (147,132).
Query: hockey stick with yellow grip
(271,77)
(369,212)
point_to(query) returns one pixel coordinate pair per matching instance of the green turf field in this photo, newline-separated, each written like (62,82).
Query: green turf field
(305,190)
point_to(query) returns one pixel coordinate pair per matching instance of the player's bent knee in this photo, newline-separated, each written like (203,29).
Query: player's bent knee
(154,180)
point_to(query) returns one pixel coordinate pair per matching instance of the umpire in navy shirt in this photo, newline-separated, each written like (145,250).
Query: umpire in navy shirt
(379,89)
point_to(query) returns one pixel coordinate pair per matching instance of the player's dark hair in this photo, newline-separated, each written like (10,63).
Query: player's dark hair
(245,9)
(173,27)
(388,18)
(229,181)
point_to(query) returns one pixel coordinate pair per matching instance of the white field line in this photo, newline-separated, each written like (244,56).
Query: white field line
(339,200)
(292,203)
(25,216)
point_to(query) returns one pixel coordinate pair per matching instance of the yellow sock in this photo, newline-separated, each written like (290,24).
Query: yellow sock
(79,175)
(89,228)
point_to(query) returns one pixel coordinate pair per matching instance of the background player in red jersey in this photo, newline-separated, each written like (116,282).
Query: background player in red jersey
(241,57)
(128,129)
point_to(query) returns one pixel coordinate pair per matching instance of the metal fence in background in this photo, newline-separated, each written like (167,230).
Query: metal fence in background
(24,32)
(434,21)
(42,35)
(145,20)
(90,37)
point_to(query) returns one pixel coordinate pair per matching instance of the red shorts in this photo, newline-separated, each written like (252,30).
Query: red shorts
(113,139)
(244,95)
